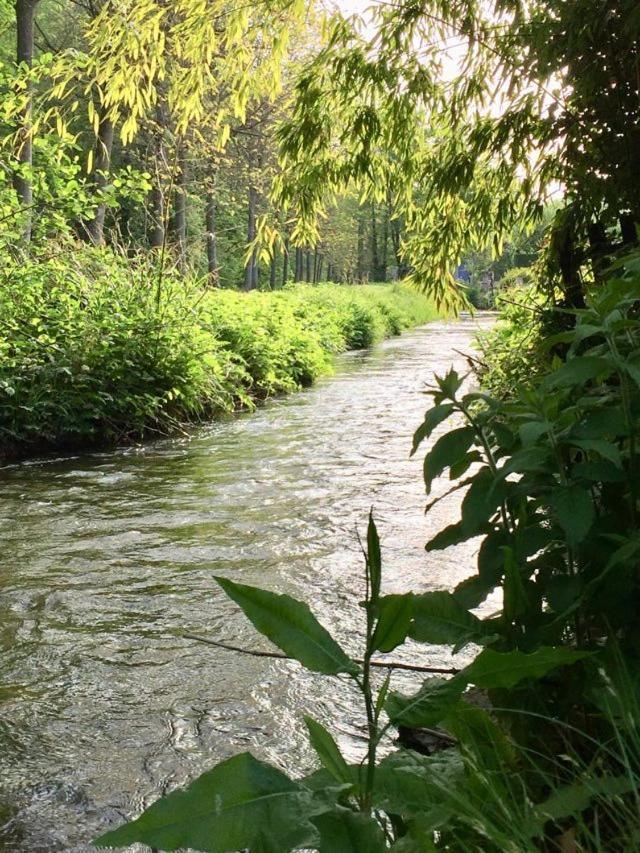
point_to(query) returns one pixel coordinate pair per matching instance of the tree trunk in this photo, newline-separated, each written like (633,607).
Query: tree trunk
(298,272)
(251,269)
(180,207)
(212,240)
(25,24)
(385,244)
(273,271)
(101,168)
(285,262)
(309,273)
(158,213)
(375,260)
(360,269)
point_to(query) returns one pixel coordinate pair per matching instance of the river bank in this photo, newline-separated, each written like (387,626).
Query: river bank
(97,359)
(104,704)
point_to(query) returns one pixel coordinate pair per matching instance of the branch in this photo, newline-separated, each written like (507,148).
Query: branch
(381,664)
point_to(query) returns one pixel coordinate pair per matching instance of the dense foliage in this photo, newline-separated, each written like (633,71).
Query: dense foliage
(97,348)
(471,115)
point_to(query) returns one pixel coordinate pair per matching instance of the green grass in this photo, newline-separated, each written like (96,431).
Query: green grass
(89,355)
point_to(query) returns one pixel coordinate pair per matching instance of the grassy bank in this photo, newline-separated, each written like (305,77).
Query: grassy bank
(92,353)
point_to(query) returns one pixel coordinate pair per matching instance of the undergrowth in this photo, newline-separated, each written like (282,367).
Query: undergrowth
(93,351)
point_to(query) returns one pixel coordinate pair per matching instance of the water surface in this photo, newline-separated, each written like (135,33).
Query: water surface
(108,557)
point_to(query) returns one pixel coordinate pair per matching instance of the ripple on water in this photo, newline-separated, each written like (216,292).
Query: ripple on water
(109,556)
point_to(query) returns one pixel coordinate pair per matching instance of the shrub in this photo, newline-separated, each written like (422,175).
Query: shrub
(92,351)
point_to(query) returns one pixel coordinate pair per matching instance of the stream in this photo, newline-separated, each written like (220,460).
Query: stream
(107,558)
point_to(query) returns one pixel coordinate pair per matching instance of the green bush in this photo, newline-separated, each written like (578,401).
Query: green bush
(91,351)
(512,351)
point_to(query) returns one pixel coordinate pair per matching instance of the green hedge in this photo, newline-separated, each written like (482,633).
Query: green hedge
(89,354)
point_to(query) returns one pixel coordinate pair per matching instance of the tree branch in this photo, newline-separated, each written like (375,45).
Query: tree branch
(381,664)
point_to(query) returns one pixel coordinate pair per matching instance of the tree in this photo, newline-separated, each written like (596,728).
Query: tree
(542,95)
(25,27)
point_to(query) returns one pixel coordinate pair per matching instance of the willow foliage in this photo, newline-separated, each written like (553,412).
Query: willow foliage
(469,116)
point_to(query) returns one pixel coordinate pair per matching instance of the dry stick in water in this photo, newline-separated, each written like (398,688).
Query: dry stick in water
(381,664)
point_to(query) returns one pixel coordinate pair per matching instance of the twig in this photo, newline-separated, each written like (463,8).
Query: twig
(381,664)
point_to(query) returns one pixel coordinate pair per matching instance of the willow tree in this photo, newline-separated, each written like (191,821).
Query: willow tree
(472,114)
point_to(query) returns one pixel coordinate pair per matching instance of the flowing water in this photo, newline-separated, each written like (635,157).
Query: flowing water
(107,558)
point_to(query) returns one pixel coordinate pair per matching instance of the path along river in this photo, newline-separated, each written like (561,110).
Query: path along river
(107,557)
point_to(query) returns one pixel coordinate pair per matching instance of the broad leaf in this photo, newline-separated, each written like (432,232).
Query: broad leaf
(447,450)
(328,751)
(576,797)
(225,809)
(439,618)
(579,370)
(409,783)
(345,831)
(432,419)
(574,510)
(428,706)
(603,448)
(291,625)
(493,669)
(394,617)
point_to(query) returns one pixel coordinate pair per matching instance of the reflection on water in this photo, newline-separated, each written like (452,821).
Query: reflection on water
(108,557)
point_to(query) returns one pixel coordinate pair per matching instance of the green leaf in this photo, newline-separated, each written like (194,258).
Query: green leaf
(446,452)
(440,619)
(433,418)
(531,431)
(482,499)
(346,831)
(327,751)
(374,559)
(576,797)
(225,809)
(574,510)
(291,625)
(472,591)
(603,448)
(409,783)
(480,737)
(394,617)
(426,707)
(598,471)
(493,669)
(579,370)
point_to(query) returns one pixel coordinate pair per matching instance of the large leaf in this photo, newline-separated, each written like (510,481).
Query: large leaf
(446,452)
(411,784)
(328,751)
(428,706)
(579,370)
(575,512)
(394,617)
(227,808)
(439,618)
(576,797)
(291,625)
(433,417)
(345,831)
(493,669)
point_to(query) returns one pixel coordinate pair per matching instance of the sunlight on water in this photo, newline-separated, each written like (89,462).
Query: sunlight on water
(108,557)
